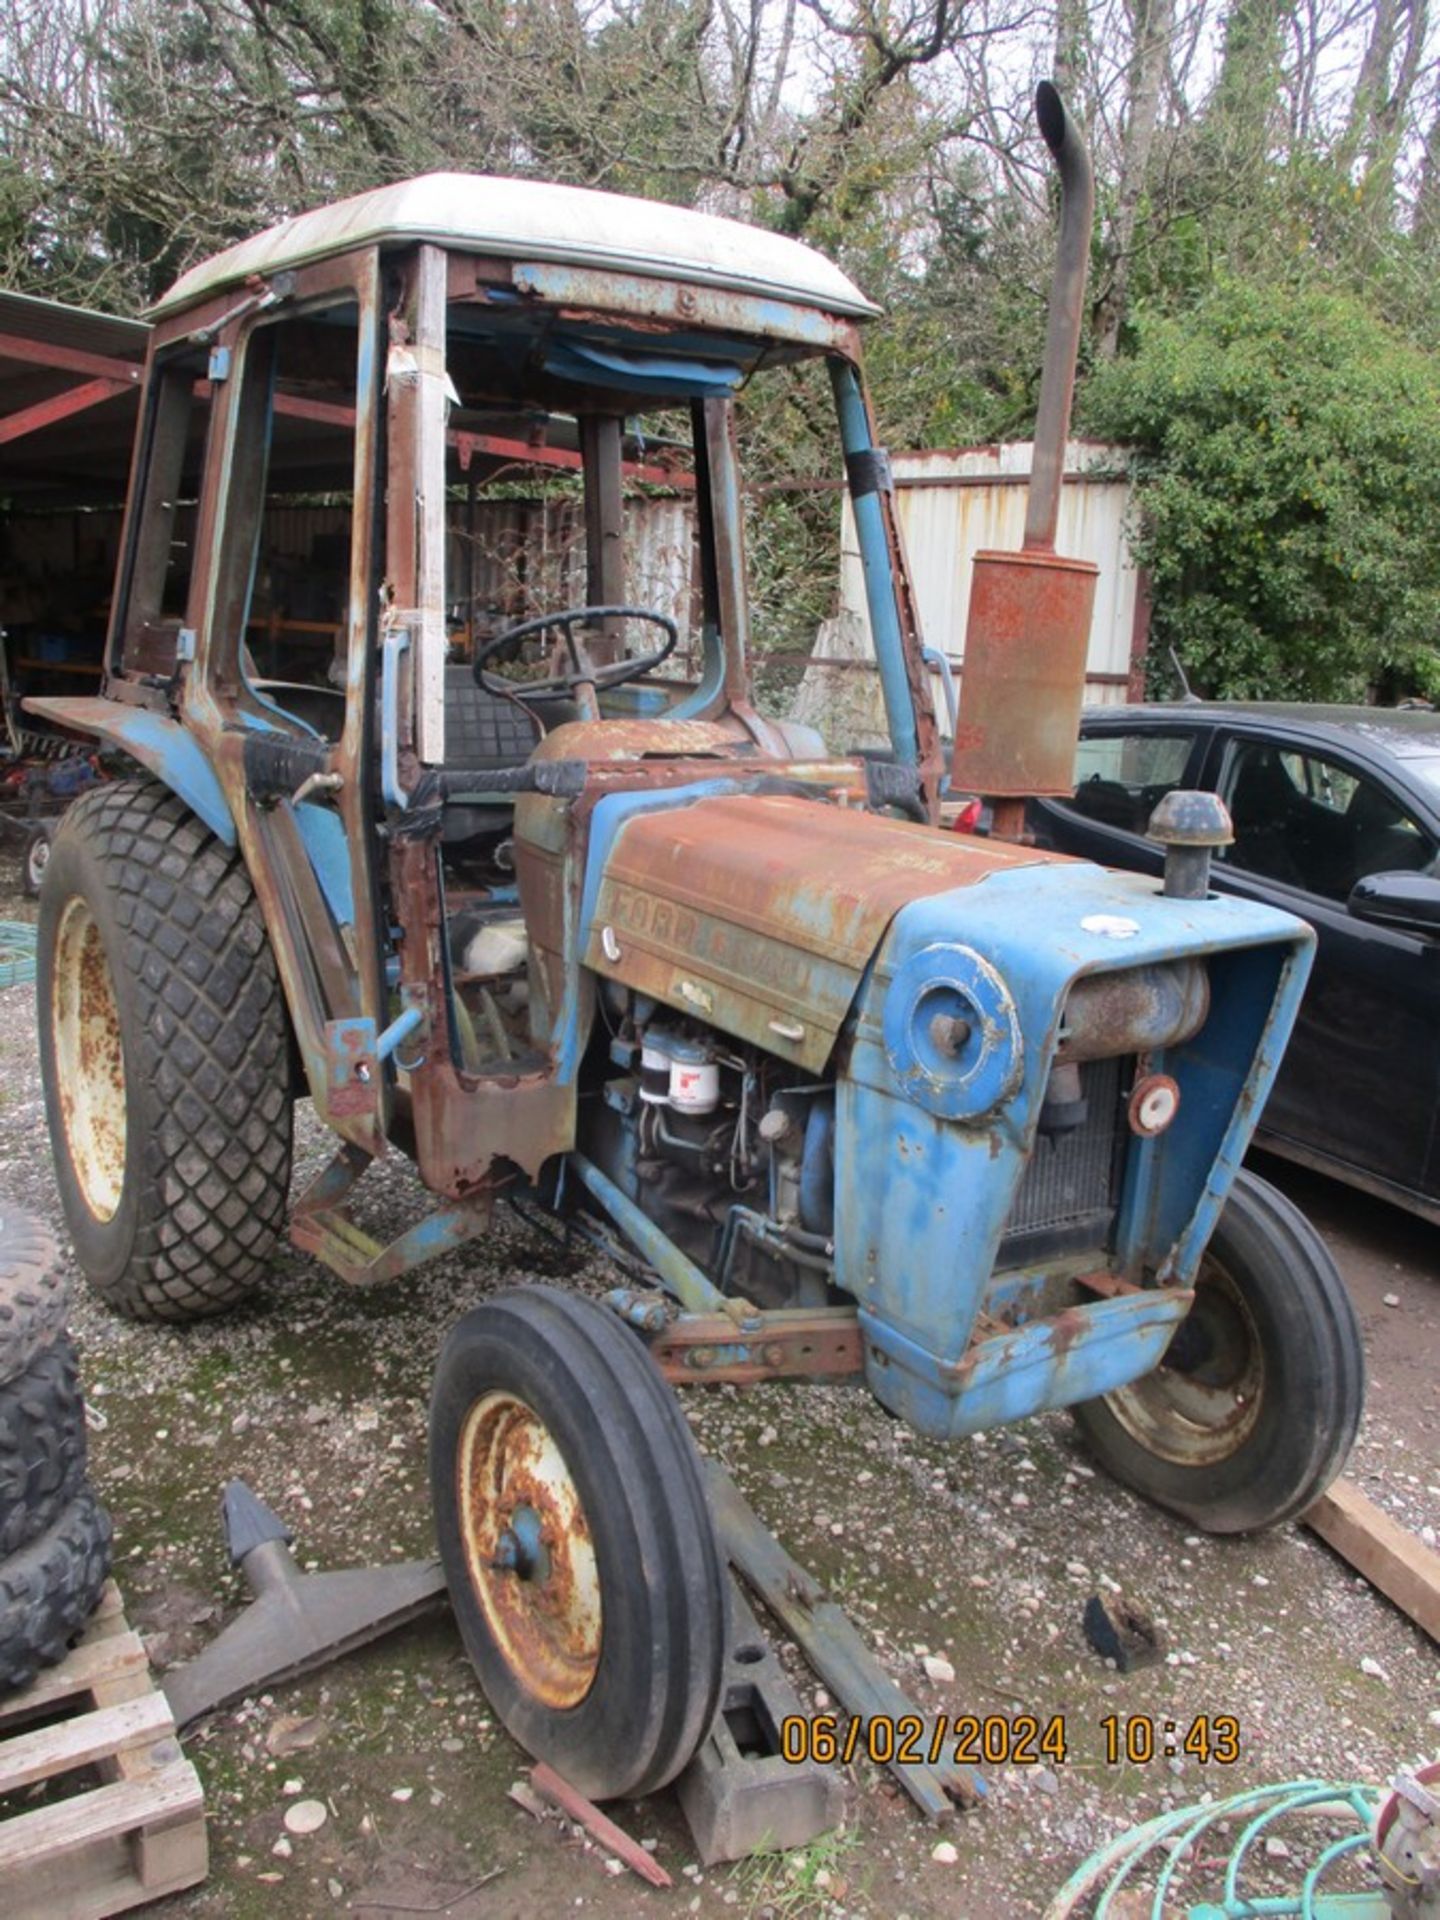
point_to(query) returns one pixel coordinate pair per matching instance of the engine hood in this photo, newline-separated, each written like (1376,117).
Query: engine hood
(759,913)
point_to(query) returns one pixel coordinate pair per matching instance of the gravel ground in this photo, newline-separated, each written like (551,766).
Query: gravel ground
(981,1553)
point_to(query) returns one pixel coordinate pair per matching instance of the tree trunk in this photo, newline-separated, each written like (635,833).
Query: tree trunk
(1154,26)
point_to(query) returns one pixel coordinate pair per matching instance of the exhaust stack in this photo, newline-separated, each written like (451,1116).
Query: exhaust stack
(1029,621)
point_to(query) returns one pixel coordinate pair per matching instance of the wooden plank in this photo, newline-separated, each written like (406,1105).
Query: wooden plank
(80,1741)
(113,1661)
(1403,1568)
(136,1837)
(108,1813)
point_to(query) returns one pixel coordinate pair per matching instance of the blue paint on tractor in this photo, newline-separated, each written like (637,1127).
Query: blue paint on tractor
(175,756)
(878,571)
(323,832)
(610,816)
(918,1248)
(951,1032)
(1055,1362)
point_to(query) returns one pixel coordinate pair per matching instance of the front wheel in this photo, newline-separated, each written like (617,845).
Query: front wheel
(577,1541)
(1254,1408)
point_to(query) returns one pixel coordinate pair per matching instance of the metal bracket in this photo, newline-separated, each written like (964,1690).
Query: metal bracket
(822,1343)
(319,1225)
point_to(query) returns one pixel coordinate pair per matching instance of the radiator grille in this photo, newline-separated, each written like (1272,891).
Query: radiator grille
(1068,1196)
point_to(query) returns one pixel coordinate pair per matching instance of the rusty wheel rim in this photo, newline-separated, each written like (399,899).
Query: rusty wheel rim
(528,1549)
(89,1060)
(1203,1401)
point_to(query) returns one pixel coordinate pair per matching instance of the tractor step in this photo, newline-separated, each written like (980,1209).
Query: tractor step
(319,1225)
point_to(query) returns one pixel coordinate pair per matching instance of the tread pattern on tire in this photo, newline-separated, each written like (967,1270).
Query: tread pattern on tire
(49,1591)
(33,1294)
(217,1169)
(651,1453)
(42,1446)
(1309,1438)
(1347,1387)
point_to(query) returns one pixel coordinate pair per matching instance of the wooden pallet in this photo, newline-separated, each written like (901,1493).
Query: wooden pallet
(140,1832)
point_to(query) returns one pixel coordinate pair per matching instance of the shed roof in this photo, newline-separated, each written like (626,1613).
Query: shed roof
(538,220)
(69,387)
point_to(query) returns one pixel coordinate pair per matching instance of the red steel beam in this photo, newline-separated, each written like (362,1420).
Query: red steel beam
(44,353)
(59,406)
(467,445)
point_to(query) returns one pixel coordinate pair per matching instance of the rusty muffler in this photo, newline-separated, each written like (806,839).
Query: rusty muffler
(1028,628)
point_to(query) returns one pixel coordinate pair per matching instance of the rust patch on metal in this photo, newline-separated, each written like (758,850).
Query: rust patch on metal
(1025,641)
(90,1060)
(529,1550)
(761,911)
(788,1345)
(1109,1286)
(1134,1010)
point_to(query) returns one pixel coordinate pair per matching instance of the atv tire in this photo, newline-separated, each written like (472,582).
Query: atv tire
(49,1591)
(42,1446)
(33,1295)
(164,1048)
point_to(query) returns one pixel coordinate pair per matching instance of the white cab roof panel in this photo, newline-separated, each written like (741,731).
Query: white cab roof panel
(536,220)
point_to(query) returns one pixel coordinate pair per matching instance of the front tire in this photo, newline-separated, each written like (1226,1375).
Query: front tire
(1254,1408)
(164,1052)
(577,1541)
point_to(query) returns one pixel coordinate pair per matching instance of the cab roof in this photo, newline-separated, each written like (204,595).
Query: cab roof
(537,220)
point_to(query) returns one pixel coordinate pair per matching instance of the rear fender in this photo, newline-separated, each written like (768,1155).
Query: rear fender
(160,744)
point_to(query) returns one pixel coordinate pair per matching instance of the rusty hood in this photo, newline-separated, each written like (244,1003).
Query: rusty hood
(760,913)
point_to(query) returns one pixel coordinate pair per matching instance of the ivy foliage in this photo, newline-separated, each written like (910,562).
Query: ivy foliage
(1288,492)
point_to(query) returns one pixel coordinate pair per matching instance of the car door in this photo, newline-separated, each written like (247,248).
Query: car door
(1359,1082)
(1123,769)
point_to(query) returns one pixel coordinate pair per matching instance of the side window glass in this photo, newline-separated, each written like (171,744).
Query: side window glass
(1313,823)
(1120,778)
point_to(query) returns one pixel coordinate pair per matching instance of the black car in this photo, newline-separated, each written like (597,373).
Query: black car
(1336,813)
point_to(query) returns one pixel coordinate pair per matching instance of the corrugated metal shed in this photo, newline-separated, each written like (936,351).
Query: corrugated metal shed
(951,505)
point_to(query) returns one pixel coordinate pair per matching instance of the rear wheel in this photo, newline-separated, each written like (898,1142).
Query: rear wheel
(577,1541)
(163,1046)
(1253,1410)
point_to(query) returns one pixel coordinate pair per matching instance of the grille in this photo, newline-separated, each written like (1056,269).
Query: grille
(1071,1188)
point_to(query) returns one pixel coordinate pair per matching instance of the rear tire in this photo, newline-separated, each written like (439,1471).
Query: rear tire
(164,1051)
(578,1546)
(1254,1408)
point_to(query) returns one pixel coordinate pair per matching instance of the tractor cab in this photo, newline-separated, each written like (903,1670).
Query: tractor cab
(469,521)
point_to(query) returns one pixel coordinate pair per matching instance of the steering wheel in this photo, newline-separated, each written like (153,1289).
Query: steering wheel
(613,674)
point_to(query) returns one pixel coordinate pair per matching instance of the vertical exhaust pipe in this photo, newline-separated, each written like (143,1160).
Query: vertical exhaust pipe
(1028,628)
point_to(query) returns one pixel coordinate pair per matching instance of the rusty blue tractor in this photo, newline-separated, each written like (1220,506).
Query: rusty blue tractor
(451,837)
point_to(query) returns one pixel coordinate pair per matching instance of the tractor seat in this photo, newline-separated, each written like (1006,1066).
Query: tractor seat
(485,732)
